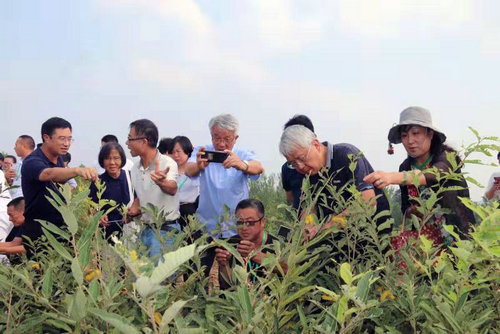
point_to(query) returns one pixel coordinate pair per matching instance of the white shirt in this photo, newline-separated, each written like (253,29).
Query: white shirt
(188,188)
(5,224)
(18,191)
(148,191)
(490,184)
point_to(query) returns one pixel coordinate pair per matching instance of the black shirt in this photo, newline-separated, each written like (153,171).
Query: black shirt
(340,176)
(116,190)
(35,191)
(292,181)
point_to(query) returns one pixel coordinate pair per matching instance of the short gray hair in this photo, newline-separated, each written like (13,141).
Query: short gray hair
(294,137)
(225,121)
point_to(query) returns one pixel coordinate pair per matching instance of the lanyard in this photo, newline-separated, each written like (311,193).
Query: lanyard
(264,239)
(182,183)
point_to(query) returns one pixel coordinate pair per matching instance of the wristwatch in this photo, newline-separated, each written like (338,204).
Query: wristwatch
(246,163)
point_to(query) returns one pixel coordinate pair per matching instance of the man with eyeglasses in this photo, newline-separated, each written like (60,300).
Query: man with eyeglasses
(309,156)
(154,180)
(222,184)
(252,240)
(42,170)
(291,179)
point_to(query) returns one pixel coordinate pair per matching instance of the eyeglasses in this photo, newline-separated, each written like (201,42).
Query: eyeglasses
(249,223)
(65,139)
(136,138)
(299,161)
(227,140)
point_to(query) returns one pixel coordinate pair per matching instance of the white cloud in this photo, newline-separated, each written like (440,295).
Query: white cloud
(391,18)
(186,11)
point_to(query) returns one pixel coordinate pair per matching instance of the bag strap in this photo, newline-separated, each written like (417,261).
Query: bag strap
(130,188)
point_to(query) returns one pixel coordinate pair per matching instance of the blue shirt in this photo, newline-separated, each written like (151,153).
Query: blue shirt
(220,186)
(34,190)
(116,190)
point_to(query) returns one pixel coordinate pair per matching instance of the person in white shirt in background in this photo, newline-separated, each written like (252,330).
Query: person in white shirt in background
(5,224)
(493,191)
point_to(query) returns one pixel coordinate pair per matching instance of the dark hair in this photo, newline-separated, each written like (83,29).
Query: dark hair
(28,141)
(17,203)
(251,203)
(106,151)
(109,139)
(300,120)
(50,125)
(147,129)
(165,145)
(437,147)
(1,156)
(66,157)
(184,143)
(498,155)
(12,157)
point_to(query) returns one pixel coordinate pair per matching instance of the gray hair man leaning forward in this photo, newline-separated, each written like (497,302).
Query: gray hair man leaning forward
(308,155)
(223,183)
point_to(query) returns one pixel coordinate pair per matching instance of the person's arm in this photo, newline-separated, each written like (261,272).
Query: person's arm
(492,187)
(62,174)
(222,257)
(252,167)
(165,179)
(12,247)
(382,179)
(194,168)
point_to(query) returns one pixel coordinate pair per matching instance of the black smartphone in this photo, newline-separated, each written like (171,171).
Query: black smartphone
(284,232)
(215,156)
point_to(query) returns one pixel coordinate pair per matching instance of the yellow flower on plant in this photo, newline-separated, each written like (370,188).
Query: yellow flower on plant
(309,220)
(328,297)
(386,295)
(133,256)
(339,221)
(36,266)
(93,274)
(158,318)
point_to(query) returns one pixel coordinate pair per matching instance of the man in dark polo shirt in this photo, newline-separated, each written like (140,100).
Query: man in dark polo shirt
(309,156)
(291,179)
(42,170)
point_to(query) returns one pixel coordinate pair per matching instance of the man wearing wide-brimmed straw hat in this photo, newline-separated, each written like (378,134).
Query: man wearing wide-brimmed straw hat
(424,143)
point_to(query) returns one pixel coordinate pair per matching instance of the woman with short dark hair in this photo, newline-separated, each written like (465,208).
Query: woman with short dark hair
(425,146)
(118,187)
(188,188)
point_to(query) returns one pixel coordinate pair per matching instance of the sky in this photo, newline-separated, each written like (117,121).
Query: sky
(350,65)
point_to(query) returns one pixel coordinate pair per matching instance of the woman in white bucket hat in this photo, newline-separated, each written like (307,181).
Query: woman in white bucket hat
(425,146)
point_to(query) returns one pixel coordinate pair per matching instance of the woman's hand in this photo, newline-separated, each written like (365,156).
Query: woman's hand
(382,179)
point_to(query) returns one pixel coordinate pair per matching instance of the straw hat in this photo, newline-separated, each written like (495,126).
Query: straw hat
(414,116)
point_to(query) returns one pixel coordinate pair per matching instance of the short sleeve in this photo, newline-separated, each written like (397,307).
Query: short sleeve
(173,170)
(363,167)
(32,170)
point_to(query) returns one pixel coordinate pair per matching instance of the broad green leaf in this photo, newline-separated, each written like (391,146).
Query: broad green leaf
(57,246)
(171,313)
(47,283)
(363,287)
(345,272)
(54,229)
(77,271)
(117,321)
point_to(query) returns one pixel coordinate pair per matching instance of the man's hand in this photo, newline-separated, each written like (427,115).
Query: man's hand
(200,161)
(104,221)
(222,256)
(159,176)
(245,247)
(10,175)
(233,160)
(88,173)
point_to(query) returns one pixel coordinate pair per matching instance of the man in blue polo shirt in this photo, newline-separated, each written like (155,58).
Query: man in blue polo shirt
(226,183)
(42,170)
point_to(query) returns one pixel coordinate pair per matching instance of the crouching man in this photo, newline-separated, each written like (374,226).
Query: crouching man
(14,243)
(251,240)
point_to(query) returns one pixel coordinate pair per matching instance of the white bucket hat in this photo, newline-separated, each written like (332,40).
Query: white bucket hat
(414,116)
